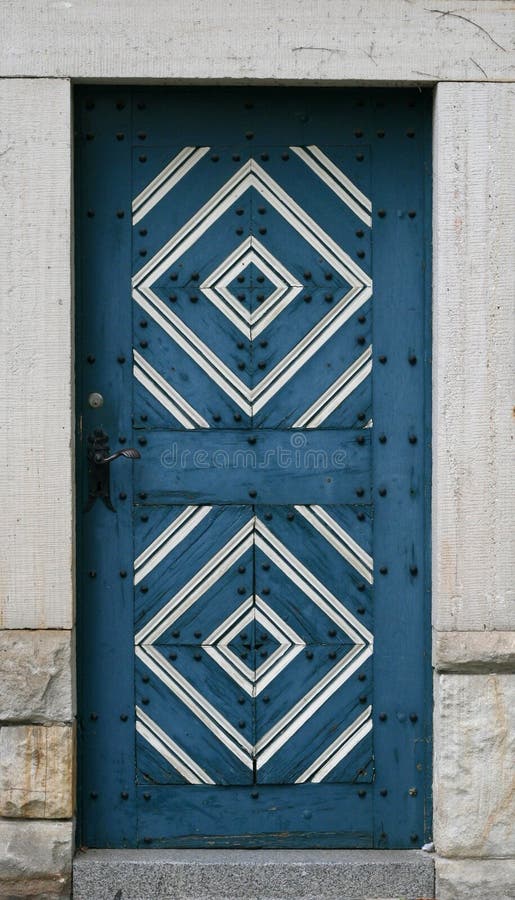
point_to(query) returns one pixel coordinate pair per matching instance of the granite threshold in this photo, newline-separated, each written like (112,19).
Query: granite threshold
(253,875)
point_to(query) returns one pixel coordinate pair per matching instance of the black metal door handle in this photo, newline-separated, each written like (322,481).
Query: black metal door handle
(99,458)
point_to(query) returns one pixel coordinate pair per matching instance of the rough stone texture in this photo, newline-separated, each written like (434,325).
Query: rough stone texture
(370,40)
(474,780)
(35,676)
(473,358)
(36,770)
(36,859)
(475,879)
(36,527)
(474,651)
(252,875)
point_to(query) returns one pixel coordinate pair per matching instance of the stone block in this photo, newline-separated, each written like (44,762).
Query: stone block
(474,651)
(474,789)
(36,682)
(36,771)
(475,879)
(36,859)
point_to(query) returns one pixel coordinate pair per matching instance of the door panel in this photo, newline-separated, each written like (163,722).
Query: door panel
(265,352)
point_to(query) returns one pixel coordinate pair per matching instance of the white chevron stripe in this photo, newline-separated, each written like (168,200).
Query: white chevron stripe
(168,540)
(208,575)
(346,546)
(175,755)
(339,183)
(166,394)
(339,749)
(332,398)
(166,181)
(302,711)
(197,704)
(311,586)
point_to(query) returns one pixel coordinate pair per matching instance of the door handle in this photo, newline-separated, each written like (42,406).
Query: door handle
(99,458)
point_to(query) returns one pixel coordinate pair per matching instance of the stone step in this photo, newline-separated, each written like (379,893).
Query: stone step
(253,875)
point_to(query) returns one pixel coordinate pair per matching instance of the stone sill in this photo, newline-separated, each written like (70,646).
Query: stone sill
(253,875)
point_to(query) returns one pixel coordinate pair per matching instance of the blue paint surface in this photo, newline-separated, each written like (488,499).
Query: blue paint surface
(278,517)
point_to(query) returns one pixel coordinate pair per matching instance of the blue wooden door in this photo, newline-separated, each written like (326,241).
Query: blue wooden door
(252,272)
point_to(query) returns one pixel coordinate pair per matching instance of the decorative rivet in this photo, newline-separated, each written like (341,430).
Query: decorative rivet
(145,701)
(254,795)
(93,716)
(309,654)
(120,214)
(361,610)
(264,653)
(414,838)
(261,364)
(412,439)
(412,792)
(381,213)
(92,574)
(241,365)
(384,570)
(93,795)
(361,586)
(172,298)
(266,591)
(197,634)
(124,795)
(252,493)
(144,518)
(362,319)
(382,492)
(362,793)
(146,796)
(265,157)
(307,298)
(266,699)
(144,589)
(236,157)
(360,492)
(176,633)
(249,135)
(239,231)
(290,516)
(332,632)
(363,699)
(328,298)
(410,133)
(142,135)
(193,298)
(197,656)
(215,157)
(241,700)
(383,717)
(260,297)
(332,654)
(141,105)
(90,358)
(147,840)
(262,230)
(124,717)
(263,344)
(412,360)
(360,339)
(412,213)
(123,573)
(380,133)
(260,279)
(413,570)
(216,417)
(382,360)
(172,655)
(244,655)
(90,136)
(120,135)
(241,590)
(361,516)
(307,275)
(360,157)
(382,439)
(143,344)
(360,254)
(362,676)
(240,345)
(89,104)
(90,213)
(285,156)
(383,792)
(142,441)
(413,717)
(120,359)
(242,569)
(237,417)
(142,158)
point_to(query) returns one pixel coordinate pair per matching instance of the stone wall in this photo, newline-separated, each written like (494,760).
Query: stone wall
(43,47)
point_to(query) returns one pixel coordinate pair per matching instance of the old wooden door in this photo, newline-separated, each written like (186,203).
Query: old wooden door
(252,318)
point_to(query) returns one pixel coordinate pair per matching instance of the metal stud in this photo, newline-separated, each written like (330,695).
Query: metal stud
(146,796)
(237,417)
(412,360)
(241,365)
(263,344)
(383,359)
(361,610)
(145,701)
(285,156)
(413,570)
(197,656)
(412,439)
(124,717)
(172,656)
(120,359)
(92,574)
(124,795)
(383,717)
(362,794)
(242,569)
(361,586)
(93,716)
(147,840)
(380,133)
(261,364)
(309,654)
(290,516)
(142,441)
(360,254)
(382,439)
(383,792)
(266,591)
(412,214)
(142,158)
(384,570)
(215,157)
(172,298)
(176,633)
(216,417)
(362,319)
(360,492)
(360,340)
(363,698)
(328,298)
(361,516)
(413,717)
(241,700)
(144,589)
(254,795)
(249,135)
(362,676)
(142,136)
(307,298)
(197,634)
(382,492)
(381,213)
(241,590)
(332,654)
(266,699)
(412,792)
(252,493)
(332,632)
(120,136)
(143,344)
(144,518)
(93,795)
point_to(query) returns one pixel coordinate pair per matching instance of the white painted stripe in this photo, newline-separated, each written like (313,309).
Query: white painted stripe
(339,539)
(208,575)
(197,704)
(310,585)
(362,554)
(336,181)
(338,749)
(337,392)
(175,755)
(166,394)
(302,711)
(170,538)
(167,179)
